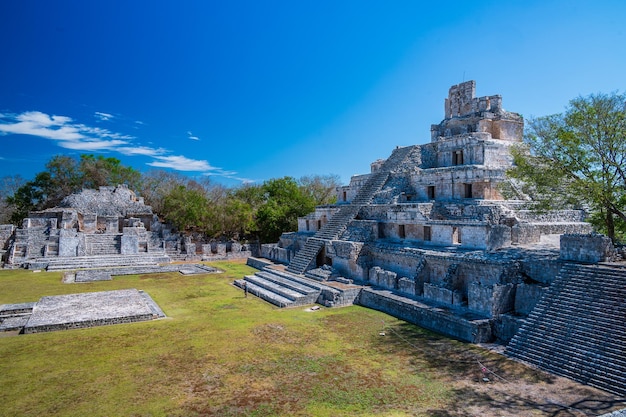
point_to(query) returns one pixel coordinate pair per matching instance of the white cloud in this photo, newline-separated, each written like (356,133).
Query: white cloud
(191,136)
(141,150)
(103,116)
(71,135)
(181,163)
(94,145)
(60,128)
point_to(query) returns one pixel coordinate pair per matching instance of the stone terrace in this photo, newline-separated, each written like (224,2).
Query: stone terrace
(91,309)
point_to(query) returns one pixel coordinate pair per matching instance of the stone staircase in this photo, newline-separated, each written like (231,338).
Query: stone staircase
(578,328)
(103,261)
(103,244)
(306,256)
(281,288)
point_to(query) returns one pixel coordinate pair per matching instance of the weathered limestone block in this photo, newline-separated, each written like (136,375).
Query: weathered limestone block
(541,269)
(129,244)
(133,222)
(527,296)
(190,248)
(345,258)
(68,242)
(407,286)
(361,231)
(491,300)
(383,278)
(206,249)
(220,249)
(235,247)
(506,326)
(276,253)
(524,233)
(499,236)
(345,250)
(90,223)
(591,248)
(6,231)
(442,295)
(110,224)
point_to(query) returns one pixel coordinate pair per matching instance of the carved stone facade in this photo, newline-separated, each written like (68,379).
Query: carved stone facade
(439,230)
(106,222)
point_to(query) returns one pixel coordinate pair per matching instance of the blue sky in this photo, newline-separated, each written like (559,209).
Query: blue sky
(252,90)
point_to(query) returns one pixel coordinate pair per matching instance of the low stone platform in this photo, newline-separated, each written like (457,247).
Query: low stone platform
(105,274)
(74,311)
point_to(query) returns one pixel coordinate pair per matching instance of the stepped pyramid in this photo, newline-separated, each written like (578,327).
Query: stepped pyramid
(337,223)
(578,328)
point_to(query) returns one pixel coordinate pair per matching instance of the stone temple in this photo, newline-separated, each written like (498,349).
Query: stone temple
(428,236)
(108,227)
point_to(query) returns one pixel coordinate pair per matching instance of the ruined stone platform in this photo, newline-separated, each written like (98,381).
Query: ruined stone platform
(106,274)
(75,311)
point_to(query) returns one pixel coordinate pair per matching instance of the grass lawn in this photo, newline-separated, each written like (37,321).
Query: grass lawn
(221,354)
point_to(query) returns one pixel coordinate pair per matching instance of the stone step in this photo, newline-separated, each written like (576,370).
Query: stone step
(289,283)
(604,379)
(576,331)
(576,342)
(339,221)
(269,296)
(272,286)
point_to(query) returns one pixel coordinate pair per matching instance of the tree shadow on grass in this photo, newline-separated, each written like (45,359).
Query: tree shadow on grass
(483,380)
(517,404)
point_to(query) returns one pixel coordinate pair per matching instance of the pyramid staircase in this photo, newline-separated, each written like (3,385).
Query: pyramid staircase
(285,289)
(306,256)
(578,328)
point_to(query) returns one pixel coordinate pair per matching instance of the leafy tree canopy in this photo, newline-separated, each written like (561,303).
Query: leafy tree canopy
(65,175)
(578,158)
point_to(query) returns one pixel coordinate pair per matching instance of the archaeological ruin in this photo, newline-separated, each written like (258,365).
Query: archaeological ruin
(96,235)
(428,236)
(108,227)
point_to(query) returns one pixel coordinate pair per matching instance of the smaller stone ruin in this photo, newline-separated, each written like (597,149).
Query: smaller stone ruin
(112,223)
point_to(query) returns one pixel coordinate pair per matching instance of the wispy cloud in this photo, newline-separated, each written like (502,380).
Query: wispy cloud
(59,128)
(141,150)
(191,136)
(182,163)
(103,116)
(68,134)
(92,145)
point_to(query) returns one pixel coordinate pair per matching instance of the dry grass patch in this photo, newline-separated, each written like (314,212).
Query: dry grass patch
(220,354)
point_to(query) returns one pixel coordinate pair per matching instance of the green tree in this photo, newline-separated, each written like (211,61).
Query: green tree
(33,195)
(186,208)
(8,186)
(284,202)
(65,175)
(578,158)
(65,178)
(98,171)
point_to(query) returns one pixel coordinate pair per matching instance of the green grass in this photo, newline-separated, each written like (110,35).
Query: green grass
(221,354)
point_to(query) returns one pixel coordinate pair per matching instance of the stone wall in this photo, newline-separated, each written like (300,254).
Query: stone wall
(491,300)
(589,248)
(346,260)
(527,296)
(6,231)
(474,331)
